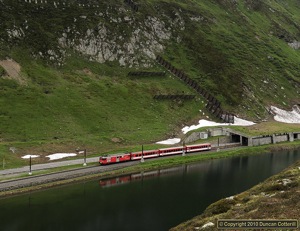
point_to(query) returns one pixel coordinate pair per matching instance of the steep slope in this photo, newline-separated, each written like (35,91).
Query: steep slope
(75,56)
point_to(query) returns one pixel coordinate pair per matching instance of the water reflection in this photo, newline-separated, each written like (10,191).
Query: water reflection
(124,179)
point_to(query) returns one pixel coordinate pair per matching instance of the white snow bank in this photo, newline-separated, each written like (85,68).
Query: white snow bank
(28,156)
(169,141)
(287,116)
(57,156)
(207,123)
(207,225)
(241,122)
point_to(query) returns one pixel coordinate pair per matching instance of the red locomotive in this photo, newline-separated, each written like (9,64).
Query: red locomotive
(117,158)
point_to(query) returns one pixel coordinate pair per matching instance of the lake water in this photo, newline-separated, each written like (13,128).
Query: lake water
(153,201)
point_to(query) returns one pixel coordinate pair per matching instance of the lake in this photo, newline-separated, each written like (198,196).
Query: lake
(156,200)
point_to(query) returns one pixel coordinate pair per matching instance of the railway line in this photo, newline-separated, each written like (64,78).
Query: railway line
(6,185)
(58,176)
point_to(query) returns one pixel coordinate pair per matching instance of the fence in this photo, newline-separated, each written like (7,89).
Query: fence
(213,105)
(145,74)
(168,96)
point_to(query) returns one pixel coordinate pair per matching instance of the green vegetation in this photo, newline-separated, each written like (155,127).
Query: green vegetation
(268,128)
(96,111)
(236,50)
(239,51)
(2,71)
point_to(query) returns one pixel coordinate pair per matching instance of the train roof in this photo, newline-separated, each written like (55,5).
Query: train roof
(171,148)
(193,145)
(116,154)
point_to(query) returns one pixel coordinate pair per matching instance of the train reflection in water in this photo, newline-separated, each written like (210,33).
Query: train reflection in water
(124,179)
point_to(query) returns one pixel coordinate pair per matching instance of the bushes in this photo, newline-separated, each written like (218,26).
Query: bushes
(2,71)
(221,206)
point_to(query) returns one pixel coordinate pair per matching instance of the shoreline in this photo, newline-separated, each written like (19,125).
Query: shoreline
(149,165)
(276,198)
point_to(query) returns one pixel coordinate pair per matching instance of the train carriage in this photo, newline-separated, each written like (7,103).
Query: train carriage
(171,151)
(144,154)
(198,147)
(115,158)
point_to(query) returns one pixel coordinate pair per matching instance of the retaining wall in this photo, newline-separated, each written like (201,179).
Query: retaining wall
(261,141)
(274,138)
(213,105)
(184,97)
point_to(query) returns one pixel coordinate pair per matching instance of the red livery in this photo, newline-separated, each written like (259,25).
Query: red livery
(117,158)
(144,154)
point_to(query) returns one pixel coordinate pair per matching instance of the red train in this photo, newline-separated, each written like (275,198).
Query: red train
(117,158)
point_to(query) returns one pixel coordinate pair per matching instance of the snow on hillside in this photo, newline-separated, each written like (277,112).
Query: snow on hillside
(28,156)
(207,123)
(287,116)
(57,156)
(169,141)
(279,115)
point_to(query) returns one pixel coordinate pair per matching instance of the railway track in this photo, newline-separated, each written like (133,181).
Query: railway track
(58,176)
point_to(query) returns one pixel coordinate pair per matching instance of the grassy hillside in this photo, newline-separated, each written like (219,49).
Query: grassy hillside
(89,105)
(239,50)
(75,56)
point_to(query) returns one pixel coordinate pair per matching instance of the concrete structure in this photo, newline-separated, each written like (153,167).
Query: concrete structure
(196,136)
(264,139)
(217,132)
(231,136)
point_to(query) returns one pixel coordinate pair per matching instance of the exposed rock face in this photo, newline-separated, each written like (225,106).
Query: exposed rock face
(99,30)
(102,44)
(295,45)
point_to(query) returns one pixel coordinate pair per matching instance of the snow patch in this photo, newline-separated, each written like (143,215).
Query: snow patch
(284,182)
(57,156)
(207,123)
(28,156)
(287,116)
(209,224)
(169,141)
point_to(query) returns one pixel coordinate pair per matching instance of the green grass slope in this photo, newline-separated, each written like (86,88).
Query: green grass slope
(238,50)
(88,105)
